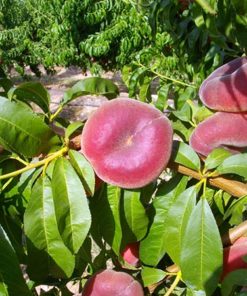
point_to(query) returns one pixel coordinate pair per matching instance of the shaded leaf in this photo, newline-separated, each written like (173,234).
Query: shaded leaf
(235,164)
(236,211)
(10,273)
(107,224)
(152,247)
(135,213)
(151,276)
(71,205)
(84,170)
(91,86)
(22,131)
(202,251)
(232,280)
(186,156)
(47,254)
(31,92)
(176,221)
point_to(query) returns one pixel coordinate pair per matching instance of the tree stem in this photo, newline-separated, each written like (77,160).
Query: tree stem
(36,164)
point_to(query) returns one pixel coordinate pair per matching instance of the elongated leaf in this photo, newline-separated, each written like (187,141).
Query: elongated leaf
(235,164)
(91,86)
(202,251)
(22,131)
(236,211)
(176,221)
(47,253)
(135,213)
(10,273)
(186,156)
(105,209)
(134,80)
(84,170)
(72,128)
(31,92)
(152,247)
(216,157)
(233,279)
(151,276)
(71,205)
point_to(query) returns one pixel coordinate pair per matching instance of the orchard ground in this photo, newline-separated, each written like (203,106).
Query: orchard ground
(64,78)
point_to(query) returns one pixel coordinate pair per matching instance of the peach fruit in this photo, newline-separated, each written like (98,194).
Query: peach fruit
(112,283)
(130,254)
(228,130)
(225,89)
(233,256)
(127,142)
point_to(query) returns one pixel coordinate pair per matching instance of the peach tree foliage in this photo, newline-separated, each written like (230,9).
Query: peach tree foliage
(110,34)
(63,227)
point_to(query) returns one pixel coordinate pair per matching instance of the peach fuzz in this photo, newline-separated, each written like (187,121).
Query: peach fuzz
(233,256)
(225,89)
(228,130)
(127,142)
(130,254)
(112,283)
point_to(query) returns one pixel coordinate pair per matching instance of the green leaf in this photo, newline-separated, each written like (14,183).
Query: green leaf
(235,164)
(32,92)
(186,156)
(134,80)
(233,279)
(185,114)
(176,221)
(135,213)
(151,276)
(47,253)
(236,211)
(216,157)
(6,84)
(22,131)
(10,273)
(84,170)
(105,209)
(152,247)
(72,128)
(162,98)
(206,6)
(202,251)
(71,205)
(91,86)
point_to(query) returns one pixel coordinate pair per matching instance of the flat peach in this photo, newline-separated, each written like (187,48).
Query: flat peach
(127,142)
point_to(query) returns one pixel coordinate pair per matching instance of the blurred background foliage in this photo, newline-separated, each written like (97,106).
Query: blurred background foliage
(176,42)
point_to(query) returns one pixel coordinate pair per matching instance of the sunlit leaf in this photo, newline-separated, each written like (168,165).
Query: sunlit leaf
(71,205)
(47,253)
(22,131)
(151,276)
(91,86)
(235,164)
(201,250)
(31,92)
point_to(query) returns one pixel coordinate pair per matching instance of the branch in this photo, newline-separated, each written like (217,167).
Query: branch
(234,188)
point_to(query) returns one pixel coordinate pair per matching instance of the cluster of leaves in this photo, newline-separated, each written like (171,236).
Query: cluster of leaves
(57,225)
(179,39)
(60,32)
(190,40)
